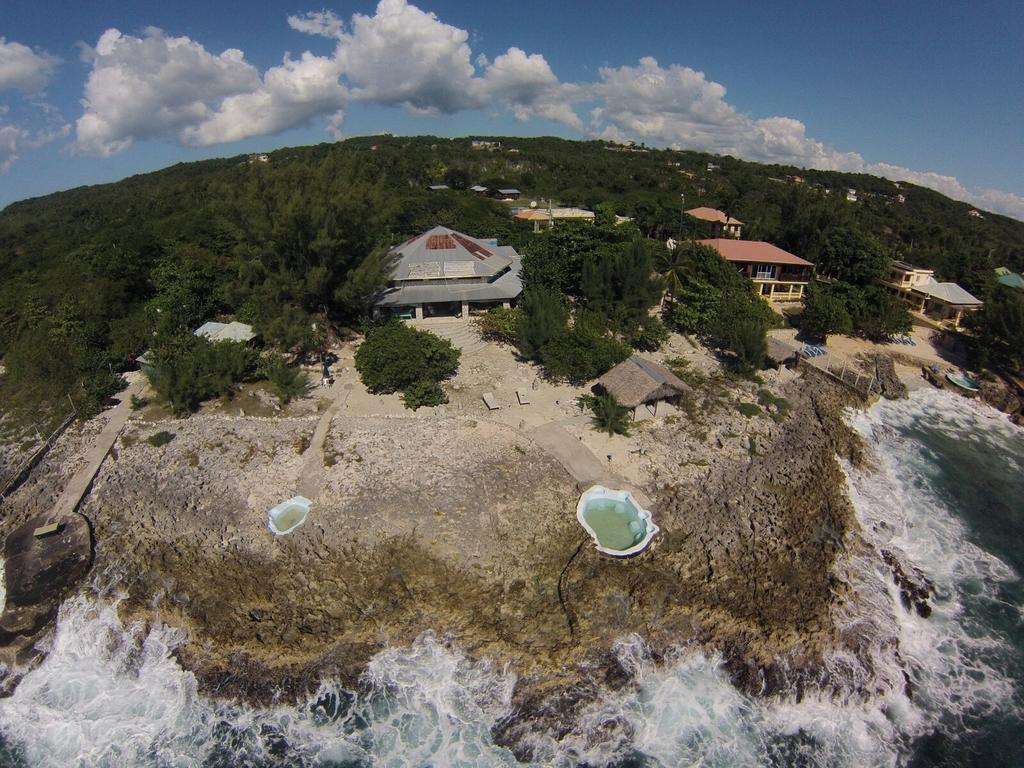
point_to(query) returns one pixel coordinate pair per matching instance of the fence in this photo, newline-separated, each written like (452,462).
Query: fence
(852,378)
(21,475)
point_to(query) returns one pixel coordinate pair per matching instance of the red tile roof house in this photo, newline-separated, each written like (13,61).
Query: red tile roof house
(721,223)
(777,274)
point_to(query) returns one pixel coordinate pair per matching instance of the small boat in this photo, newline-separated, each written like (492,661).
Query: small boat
(963,382)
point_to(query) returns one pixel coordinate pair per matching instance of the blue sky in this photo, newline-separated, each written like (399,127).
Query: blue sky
(928,92)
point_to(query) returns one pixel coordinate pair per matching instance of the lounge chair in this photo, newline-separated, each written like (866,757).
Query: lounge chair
(489,401)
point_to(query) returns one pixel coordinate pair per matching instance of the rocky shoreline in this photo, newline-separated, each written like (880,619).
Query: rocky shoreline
(460,527)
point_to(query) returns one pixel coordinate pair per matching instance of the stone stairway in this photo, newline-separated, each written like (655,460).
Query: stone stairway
(460,333)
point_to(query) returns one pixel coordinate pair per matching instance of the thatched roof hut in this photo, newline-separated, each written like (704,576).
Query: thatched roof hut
(637,381)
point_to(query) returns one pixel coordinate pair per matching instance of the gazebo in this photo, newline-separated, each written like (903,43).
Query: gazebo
(639,381)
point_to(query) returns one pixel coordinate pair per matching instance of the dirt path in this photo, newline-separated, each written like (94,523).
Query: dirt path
(312,477)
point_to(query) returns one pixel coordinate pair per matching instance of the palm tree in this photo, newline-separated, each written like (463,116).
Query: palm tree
(609,416)
(669,267)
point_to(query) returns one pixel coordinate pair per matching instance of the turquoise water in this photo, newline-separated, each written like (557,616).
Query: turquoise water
(616,523)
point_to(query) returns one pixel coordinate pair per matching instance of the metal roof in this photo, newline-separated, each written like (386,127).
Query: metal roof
(949,293)
(233,331)
(444,253)
(754,251)
(1012,279)
(443,265)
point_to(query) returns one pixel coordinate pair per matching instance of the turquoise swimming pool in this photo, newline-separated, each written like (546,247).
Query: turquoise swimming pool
(616,522)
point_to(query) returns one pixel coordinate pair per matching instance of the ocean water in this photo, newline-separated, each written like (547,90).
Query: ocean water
(946,495)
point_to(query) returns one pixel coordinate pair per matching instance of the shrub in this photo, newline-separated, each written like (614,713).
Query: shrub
(160,439)
(424,393)
(286,382)
(581,354)
(648,335)
(745,338)
(394,356)
(138,402)
(781,404)
(748,409)
(190,369)
(500,324)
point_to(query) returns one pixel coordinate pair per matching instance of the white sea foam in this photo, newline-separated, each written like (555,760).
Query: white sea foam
(110,695)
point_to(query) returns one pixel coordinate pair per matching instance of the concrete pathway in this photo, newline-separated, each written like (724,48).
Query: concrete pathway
(579,461)
(79,484)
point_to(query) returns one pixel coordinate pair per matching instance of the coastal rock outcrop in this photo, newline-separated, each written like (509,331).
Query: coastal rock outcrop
(39,571)
(883,367)
(915,588)
(474,536)
(1003,396)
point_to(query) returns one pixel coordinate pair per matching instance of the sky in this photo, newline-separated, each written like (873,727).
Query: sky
(931,93)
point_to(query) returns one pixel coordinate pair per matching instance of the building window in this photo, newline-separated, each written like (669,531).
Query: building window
(764,272)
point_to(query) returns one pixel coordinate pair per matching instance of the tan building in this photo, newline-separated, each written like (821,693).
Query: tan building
(947,303)
(778,275)
(721,224)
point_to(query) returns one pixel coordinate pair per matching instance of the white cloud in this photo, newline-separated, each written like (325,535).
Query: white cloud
(679,106)
(172,88)
(989,199)
(23,69)
(154,86)
(323,23)
(289,95)
(14,140)
(402,56)
(11,138)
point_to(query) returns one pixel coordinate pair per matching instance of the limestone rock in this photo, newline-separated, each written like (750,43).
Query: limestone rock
(38,574)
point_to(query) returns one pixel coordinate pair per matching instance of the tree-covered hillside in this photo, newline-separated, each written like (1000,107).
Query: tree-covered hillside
(89,275)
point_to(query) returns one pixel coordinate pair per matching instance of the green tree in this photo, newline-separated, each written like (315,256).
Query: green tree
(669,266)
(824,314)
(999,328)
(608,416)
(878,313)
(191,369)
(543,318)
(286,382)
(394,356)
(582,353)
(853,257)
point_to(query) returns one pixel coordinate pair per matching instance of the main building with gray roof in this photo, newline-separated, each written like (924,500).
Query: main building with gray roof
(444,272)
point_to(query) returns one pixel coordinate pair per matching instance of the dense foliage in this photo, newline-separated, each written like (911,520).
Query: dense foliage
(286,382)
(714,301)
(395,357)
(1000,327)
(192,369)
(500,324)
(301,240)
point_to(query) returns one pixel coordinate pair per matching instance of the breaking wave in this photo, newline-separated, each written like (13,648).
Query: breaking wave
(940,688)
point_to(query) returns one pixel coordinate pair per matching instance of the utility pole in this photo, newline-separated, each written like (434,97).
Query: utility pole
(682,204)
